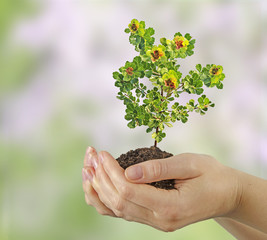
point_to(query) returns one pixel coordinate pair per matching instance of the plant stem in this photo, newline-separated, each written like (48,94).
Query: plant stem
(155,144)
(182,84)
(161,93)
(157,129)
(126,95)
(155,73)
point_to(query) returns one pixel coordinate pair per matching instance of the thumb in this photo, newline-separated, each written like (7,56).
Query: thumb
(177,167)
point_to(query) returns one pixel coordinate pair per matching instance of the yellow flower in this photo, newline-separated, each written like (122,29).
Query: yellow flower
(216,70)
(156,53)
(134,25)
(180,42)
(170,80)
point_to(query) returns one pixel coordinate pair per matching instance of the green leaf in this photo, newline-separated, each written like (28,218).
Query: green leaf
(190,47)
(142,24)
(199,67)
(141,31)
(137,59)
(149,130)
(146,101)
(150,31)
(177,34)
(138,39)
(187,36)
(190,52)
(191,102)
(175,105)
(130,107)
(148,73)
(132,39)
(131,124)
(200,100)
(161,126)
(163,135)
(128,117)
(134,80)
(163,41)
(116,75)
(118,84)
(190,107)
(207,81)
(184,119)
(219,85)
(199,84)
(127,30)
(169,124)
(199,91)
(206,101)
(195,76)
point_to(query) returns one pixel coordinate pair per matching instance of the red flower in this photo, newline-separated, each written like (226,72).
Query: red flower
(129,71)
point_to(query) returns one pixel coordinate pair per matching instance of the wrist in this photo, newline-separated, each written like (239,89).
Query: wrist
(236,184)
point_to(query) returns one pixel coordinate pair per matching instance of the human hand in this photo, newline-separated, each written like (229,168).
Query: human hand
(204,189)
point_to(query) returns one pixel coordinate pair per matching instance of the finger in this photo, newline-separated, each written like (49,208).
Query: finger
(99,206)
(141,194)
(89,155)
(87,177)
(177,167)
(116,202)
(91,198)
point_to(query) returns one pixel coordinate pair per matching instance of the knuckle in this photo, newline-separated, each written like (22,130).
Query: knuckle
(118,204)
(87,200)
(118,214)
(186,156)
(86,187)
(173,216)
(103,212)
(191,161)
(158,168)
(125,191)
(128,218)
(167,214)
(169,228)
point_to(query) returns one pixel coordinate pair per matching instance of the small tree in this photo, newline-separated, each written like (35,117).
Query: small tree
(156,107)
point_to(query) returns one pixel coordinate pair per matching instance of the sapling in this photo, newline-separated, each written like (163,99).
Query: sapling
(155,105)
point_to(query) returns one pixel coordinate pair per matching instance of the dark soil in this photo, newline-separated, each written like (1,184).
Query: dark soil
(143,154)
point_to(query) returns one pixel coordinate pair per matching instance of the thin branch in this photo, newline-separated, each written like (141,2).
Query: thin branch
(155,143)
(180,86)
(156,73)
(142,90)
(126,95)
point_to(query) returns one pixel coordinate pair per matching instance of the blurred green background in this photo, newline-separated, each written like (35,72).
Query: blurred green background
(57,96)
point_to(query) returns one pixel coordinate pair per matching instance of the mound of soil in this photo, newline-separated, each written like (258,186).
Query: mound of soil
(144,154)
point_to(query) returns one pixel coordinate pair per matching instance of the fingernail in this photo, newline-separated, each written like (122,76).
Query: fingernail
(134,173)
(87,175)
(89,159)
(95,162)
(101,157)
(89,149)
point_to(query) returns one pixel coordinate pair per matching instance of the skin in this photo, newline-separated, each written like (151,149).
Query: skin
(205,189)
(241,231)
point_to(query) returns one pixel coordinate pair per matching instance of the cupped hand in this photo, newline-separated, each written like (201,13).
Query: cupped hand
(204,189)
